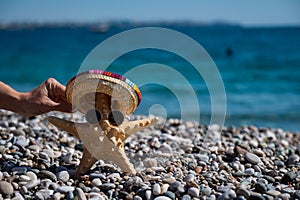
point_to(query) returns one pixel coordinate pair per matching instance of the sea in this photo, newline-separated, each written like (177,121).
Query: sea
(259,67)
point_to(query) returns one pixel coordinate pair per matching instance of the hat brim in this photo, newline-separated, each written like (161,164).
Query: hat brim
(82,89)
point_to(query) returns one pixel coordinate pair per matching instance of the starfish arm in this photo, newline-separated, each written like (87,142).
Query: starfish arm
(132,127)
(86,163)
(65,125)
(120,159)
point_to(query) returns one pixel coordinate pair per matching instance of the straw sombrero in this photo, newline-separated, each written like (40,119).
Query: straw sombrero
(82,91)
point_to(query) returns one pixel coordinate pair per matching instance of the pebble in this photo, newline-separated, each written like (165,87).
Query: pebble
(193,192)
(19,170)
(206,191)
(174,160)
(186,197)
(6,188)
(175,186)
(33,180)
(108,186)
(156,189)
(164,188)
(288,177)
(162,198)
(22,141)
(96,182)
(256,196)
(273,193)
(230,194)
(148,194)
(63,176)
(189,178)
(249,171)
(44,194)
(79,194)
(65,189)
(252,158)
(243,192)
(69,195)
(47,174)
(170,195)
(260,187)
(24,178)
(293,159)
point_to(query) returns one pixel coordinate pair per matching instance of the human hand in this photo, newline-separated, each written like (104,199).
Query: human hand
(48,96)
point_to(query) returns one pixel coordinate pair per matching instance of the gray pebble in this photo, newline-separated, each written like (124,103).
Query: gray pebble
(17,196)
(65,189)
(252,158)
(95,189)
(44,156)
(293,159)
(150,162)
(230,194)
(165,148)
(33,180)
(79,194)
(96,182)
(54,186)
(22,141)
(186,197)
(95,196)
(23,190)
(189,178)
(108,186)
(113,176)
(97,175)
(279,163)
(156,190)
(169,194)
(19,170)
(69,195)
(34,148)
(260,187)
(24,178)
(57,196)
(47,174)
(289,177)
(194,192)
(175,186)
(148,194)
(63,176)
(6,188)
(270,179)
(206,191)
(249,171)
(243,192)
(274,193)
(137,198)
(43,194)
(285,196)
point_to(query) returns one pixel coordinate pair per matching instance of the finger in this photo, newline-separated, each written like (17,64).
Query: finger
(56,90)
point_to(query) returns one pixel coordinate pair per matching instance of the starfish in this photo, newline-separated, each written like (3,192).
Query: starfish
(106,143)
(104,133)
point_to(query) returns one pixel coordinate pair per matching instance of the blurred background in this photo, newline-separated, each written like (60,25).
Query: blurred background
(255,45)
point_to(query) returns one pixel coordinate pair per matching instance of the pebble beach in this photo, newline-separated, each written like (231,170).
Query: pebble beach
(175,160)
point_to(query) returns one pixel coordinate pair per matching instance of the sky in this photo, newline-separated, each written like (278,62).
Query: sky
(248,13)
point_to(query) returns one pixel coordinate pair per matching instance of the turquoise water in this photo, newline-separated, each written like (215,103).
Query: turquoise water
(260,67)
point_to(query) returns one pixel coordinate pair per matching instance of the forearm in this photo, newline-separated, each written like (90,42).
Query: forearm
(48,96)
(9,98)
